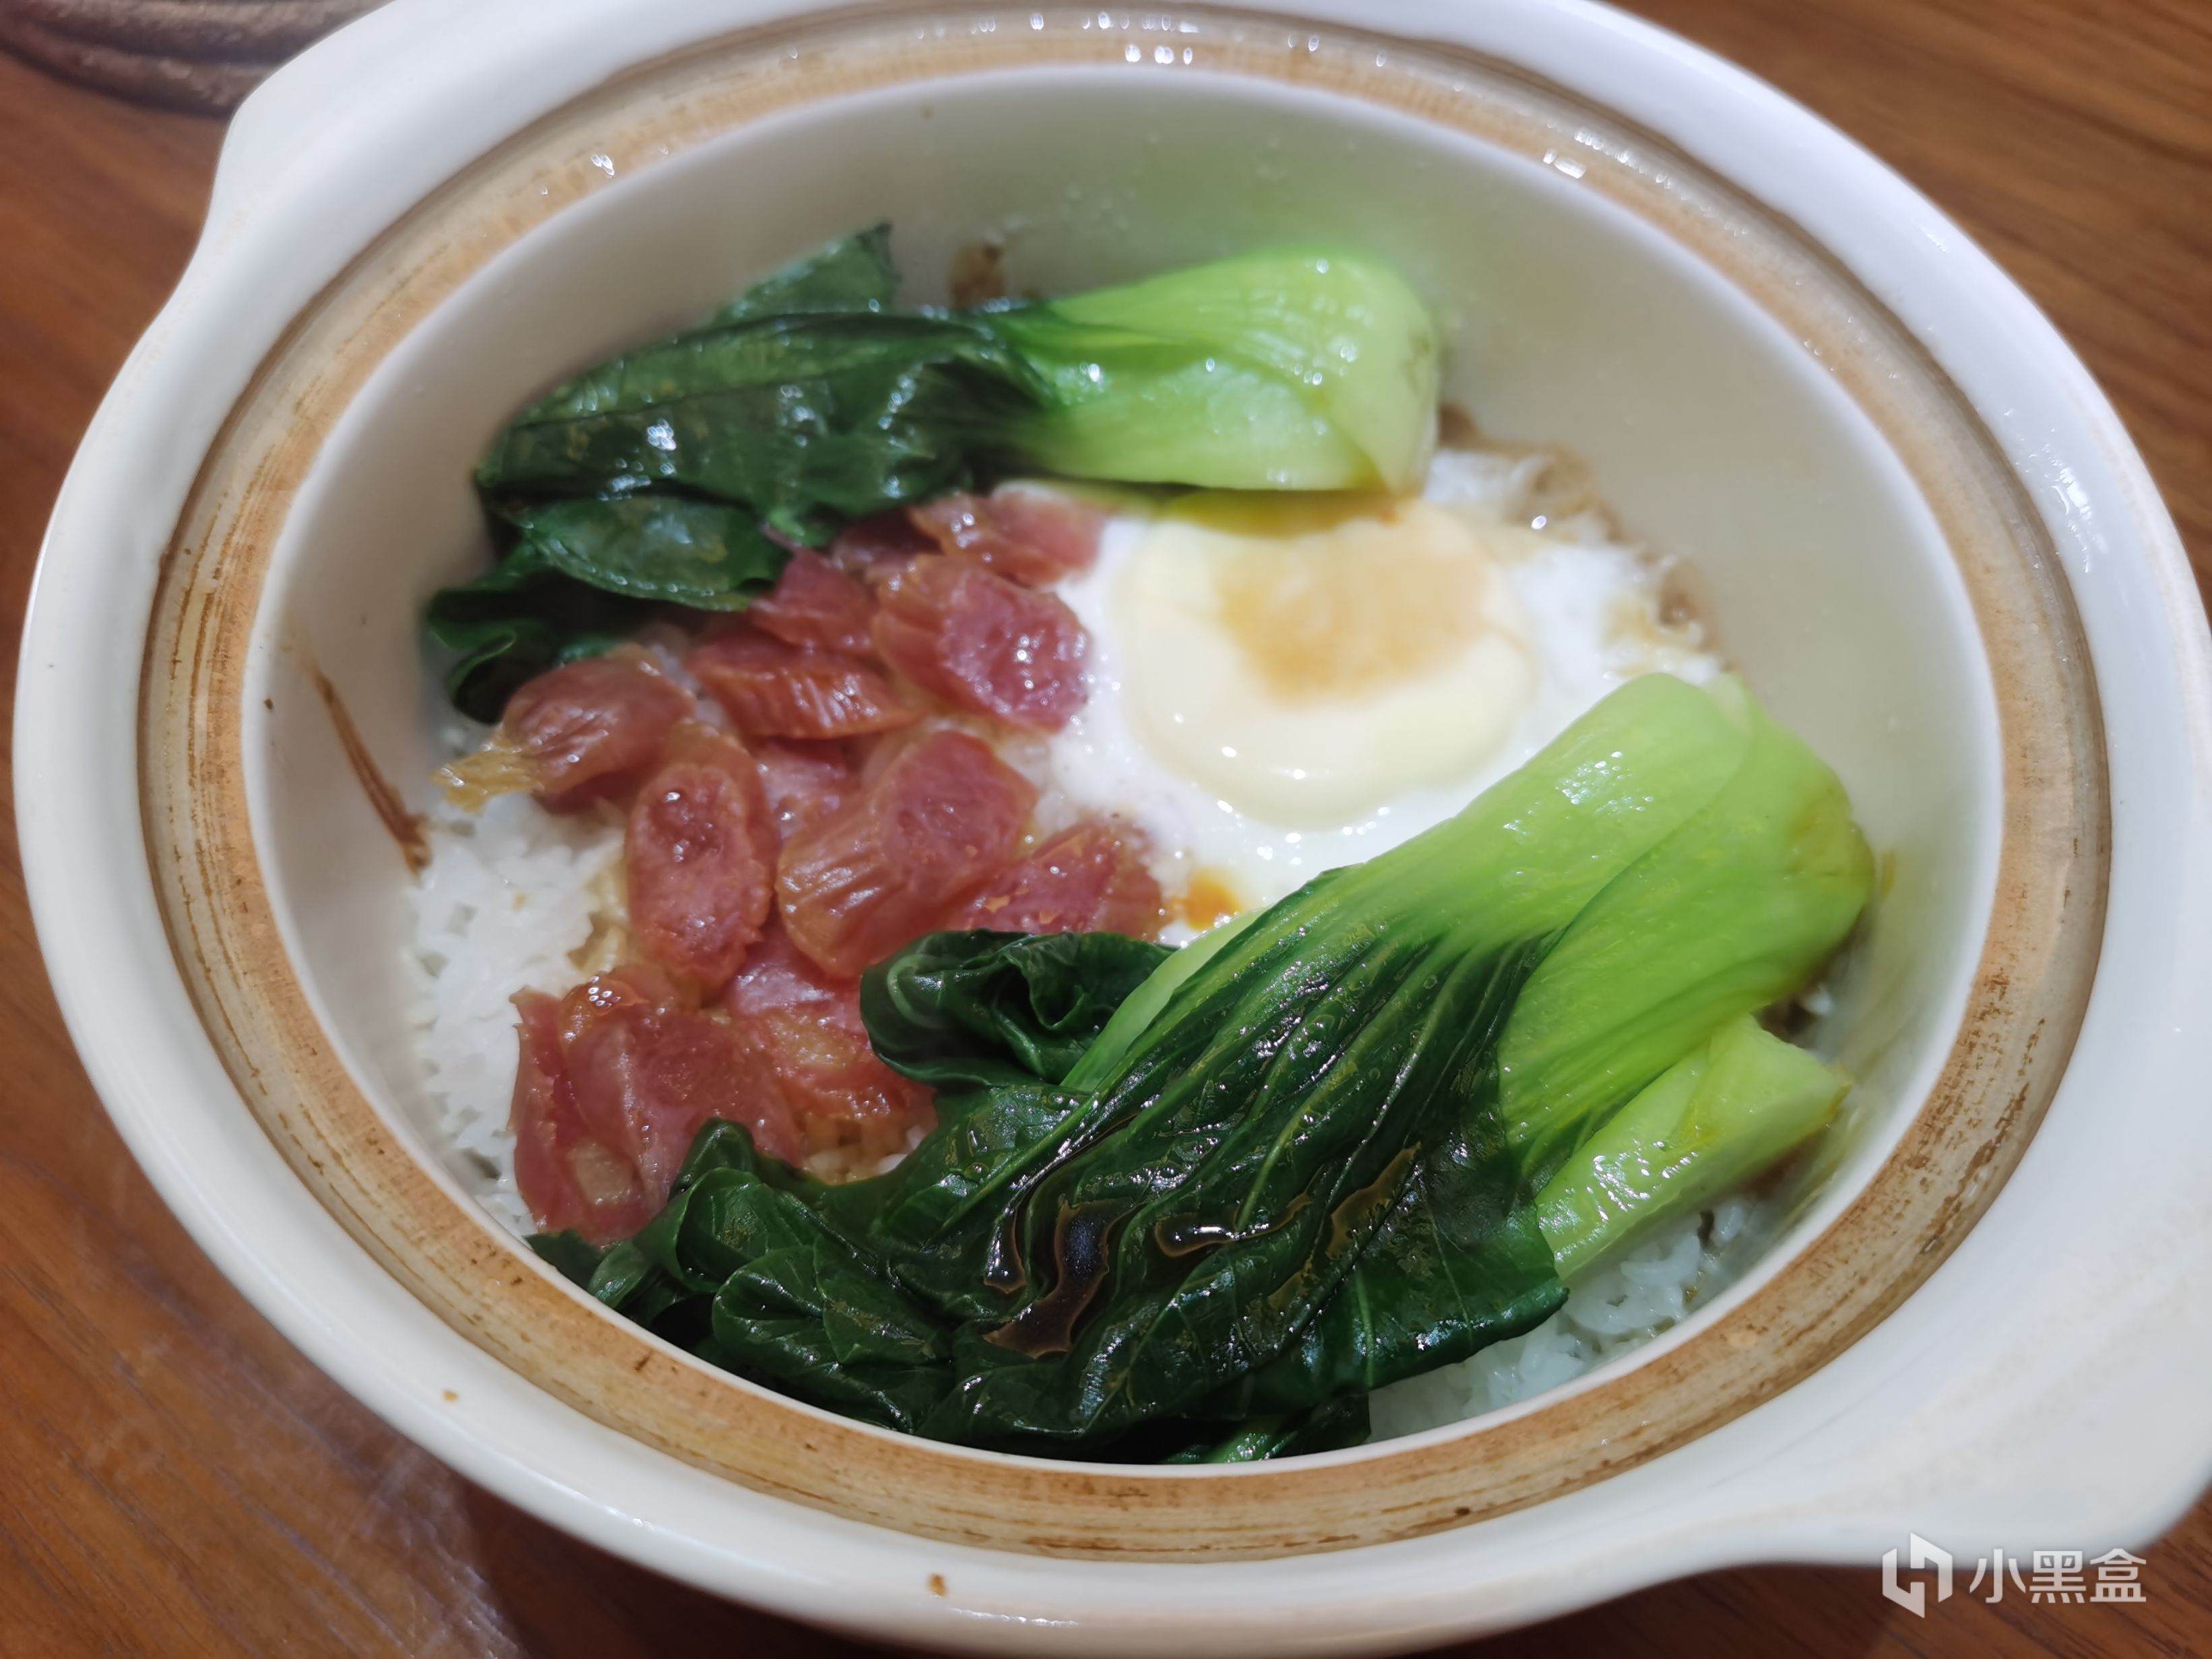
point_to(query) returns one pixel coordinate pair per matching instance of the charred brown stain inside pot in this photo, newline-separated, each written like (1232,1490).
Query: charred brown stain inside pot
(385,800)
(978,274)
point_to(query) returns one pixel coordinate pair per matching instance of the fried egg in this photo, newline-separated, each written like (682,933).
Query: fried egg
(1308,661)
(1282,685)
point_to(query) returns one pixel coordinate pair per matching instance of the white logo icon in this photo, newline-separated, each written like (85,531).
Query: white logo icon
(1914,1597)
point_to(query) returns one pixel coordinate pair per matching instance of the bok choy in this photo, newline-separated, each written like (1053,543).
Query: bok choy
(1199,1204)
(681,471)
(1723,1112)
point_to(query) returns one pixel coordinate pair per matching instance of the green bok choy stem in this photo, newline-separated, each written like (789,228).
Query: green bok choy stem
(1732,1106)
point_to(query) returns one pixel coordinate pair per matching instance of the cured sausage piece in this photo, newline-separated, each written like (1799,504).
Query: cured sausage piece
(648,1071)
(568,1180)
(701,847)
(589,730)
(781,978)
(805,781)
(1028,535)
(881,538)
(935,821)
(772,690)
(1092,878)
(816,604)
(805,1026)
(980,642)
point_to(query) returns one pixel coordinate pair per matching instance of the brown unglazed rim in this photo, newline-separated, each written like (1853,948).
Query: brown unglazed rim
(2027,995)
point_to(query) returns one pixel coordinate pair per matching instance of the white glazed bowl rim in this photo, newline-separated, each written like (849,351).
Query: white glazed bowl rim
(1839,1467)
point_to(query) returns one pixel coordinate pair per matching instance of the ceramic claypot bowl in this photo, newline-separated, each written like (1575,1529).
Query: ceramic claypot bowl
(1917,531)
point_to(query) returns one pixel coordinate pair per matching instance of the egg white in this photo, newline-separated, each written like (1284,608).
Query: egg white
(1583,611)
(1309,658)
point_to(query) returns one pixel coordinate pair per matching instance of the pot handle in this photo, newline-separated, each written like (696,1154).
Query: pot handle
(361,66)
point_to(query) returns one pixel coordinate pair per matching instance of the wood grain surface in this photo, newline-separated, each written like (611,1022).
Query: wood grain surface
(175,1479)
(187,54)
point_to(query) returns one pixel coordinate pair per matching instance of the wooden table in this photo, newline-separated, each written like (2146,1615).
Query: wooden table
(174,1478)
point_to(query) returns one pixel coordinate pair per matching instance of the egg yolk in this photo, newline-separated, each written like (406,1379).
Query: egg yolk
(1347,606)
(1309,658)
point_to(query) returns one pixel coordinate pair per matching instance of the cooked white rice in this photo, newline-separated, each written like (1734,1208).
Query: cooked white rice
(513,897)
(510,895)
(1624,1302)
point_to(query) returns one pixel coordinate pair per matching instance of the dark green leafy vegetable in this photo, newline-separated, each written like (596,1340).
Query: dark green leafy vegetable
(575,1257)
(809,402)
(854,273)
(665,549)
(1188,1226)
(974,1009)
(939,1219)
(1340,1423)
(1252,1163)
(582,573)
(517,620)
(1460,1262)
(807,420)
(1284,1172)
(583,576)
(1286,369)
(1145,1004)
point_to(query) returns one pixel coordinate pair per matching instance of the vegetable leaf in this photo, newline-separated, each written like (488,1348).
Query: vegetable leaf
(854,273)
(572,581)
(974,1009)
(517,620)
(584,574)
(1460,1263)
(1181,1230)
(1286,368)
(805,420)
(1330,1427)
(663,547)
(1265,1149)
(574,1257)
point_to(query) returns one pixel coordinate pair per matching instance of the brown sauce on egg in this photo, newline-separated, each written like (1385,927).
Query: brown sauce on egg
(1350,605)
